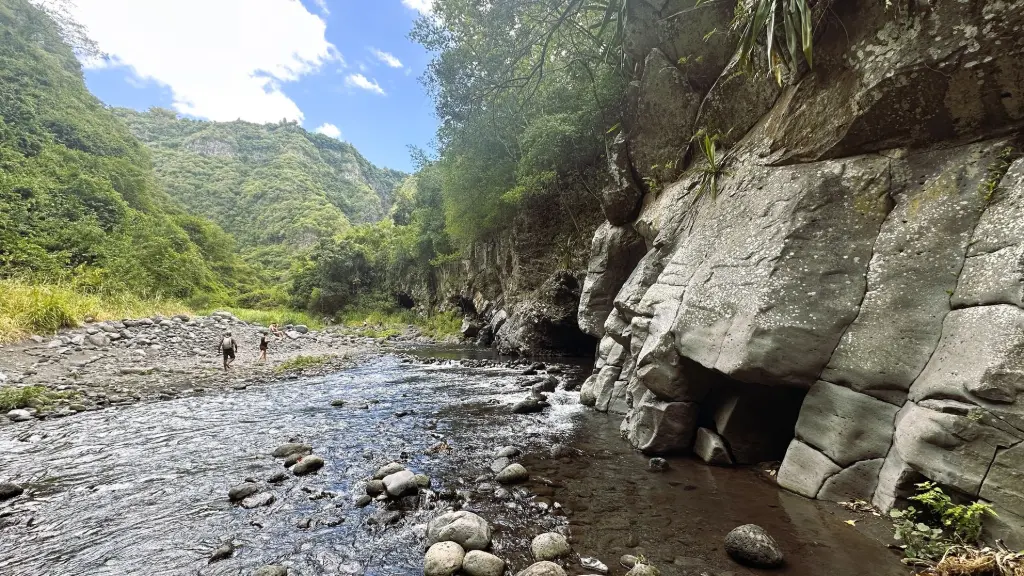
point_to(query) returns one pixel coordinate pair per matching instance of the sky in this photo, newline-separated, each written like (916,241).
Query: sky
(344,68)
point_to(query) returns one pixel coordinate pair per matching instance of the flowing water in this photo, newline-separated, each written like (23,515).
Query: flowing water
(142,489)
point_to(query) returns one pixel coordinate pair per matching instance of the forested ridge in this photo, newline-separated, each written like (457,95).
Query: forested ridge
(276,188)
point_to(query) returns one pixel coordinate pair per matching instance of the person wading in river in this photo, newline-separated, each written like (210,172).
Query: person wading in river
(264,344)
(228,347)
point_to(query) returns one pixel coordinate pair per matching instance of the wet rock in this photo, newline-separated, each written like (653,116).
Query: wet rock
(400,483)
(550,546)
(627,560)
(657,465)
(337,403)
(332,521)
(543,569)
(508,452)
(19,415)
(304,523)
(465,528)
(222,553)
(375,487)
(513,474)
(387,470)
(443,559)
(308,465)
(271,570)
(301,329)
(529,406)
(594,564)
(384,518)
(242,491)
(500,464)
(479,563)
(363,501)
(422,480)
(751,545)
(258,500)
(10,490)
(562,451)
(277,478)
(291,448)
(98,340)
(292,460)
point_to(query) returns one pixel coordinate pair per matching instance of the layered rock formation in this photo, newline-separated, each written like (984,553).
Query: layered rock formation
(853,302)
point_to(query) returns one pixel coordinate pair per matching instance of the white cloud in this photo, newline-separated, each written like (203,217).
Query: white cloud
(328,129)
(364,83)
(322,5)
(421,6)
(221,59)
(387,58)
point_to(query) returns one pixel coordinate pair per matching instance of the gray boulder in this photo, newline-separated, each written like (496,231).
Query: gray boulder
(20,415)
(301,329)
(479,563)
(98,340)
(530,405)
(513,474)
(271,570)
(545,568)
(308,465)
(400,483)
(464,528)
(375,487)
(443,559)
(614,253)
(258,500)
(640,569)
(550,546)
(470,328)
(752,546)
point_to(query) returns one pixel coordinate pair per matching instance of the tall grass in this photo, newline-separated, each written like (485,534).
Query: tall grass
(32,308)
(383,323)
(279,316)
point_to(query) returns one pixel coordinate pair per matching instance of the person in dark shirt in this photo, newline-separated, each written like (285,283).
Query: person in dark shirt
(264,344)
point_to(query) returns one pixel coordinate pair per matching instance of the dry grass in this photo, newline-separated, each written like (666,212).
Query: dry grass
(967,561)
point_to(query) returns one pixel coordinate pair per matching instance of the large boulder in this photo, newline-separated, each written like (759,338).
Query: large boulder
(464,528)
(400,483)
(545,568)
(479,563)
(656,427)
(550,546)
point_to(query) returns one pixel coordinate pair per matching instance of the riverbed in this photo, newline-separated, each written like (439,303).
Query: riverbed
(142,489)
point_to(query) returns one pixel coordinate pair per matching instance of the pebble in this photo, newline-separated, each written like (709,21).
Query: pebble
(308,465)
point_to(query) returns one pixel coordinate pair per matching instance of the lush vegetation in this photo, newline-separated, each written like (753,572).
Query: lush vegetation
(927,534)
(301,363)
(276,188)
(31,397)
(78,201)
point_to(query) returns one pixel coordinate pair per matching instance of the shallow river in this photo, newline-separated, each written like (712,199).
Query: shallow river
(141,490)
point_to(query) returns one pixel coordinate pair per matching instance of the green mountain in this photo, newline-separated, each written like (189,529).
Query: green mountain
(276,188)
(79,200)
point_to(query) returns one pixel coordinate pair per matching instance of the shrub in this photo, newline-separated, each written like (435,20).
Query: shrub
(928,534)
(301,363)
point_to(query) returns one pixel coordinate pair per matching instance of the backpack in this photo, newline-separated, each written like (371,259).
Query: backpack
(227,343)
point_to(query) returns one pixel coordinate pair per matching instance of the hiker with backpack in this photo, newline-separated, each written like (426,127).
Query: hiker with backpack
(228,347)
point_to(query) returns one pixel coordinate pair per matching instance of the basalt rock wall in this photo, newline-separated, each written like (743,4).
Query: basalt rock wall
(851,301)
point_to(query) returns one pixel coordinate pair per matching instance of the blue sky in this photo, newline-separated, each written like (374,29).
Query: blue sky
(340,66)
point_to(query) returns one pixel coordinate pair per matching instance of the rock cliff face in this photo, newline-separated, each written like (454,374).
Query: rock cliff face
(852,304)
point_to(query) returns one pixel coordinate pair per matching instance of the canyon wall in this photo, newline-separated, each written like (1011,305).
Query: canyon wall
(849,298)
